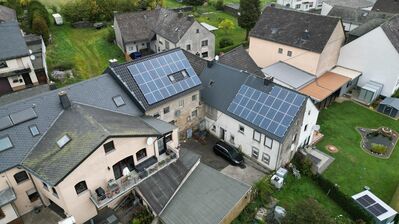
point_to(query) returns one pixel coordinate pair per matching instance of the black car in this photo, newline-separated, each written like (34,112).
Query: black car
(229,153)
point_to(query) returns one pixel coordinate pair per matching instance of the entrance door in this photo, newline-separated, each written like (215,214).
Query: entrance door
(222,134)
(161,146)
(119,166)
(27,79)
(5,86)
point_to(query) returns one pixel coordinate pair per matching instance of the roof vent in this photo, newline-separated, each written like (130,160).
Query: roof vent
(306,34)
(274,30)
(180,14)
(64,100)
(52,85)
(268,80)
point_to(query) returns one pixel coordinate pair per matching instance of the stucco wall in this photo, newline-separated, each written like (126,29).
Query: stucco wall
(118,36)
(265,53)
(10,214)
(373,55)
(309,120)
(161,44)
(325,9)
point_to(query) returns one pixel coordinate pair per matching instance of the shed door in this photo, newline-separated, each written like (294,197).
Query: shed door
(387,110)
(5,86)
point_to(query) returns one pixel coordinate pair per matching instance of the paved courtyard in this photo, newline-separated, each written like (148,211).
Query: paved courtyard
(45,216)
(248,175)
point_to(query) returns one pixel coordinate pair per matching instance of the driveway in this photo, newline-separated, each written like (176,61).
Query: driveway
(248,175)
(45,216)
(208,157)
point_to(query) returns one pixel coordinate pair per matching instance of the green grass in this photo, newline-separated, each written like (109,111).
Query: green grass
(86,49)
(353,168)
(296,190)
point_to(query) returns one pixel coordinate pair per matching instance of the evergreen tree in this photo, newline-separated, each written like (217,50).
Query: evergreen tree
(249,14)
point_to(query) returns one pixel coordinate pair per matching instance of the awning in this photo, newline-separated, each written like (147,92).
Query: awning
(374,87)
(350,73)
(325,85)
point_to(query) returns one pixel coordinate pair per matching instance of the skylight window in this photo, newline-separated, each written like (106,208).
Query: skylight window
(34,130)
(118,100)
(63,141)
(5,143)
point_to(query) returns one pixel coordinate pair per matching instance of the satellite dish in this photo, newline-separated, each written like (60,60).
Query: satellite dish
(32,57)
(150,141)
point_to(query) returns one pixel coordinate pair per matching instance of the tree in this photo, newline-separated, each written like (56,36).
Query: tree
(226,25)
(249,14)
(39,26)
(195,2)
(308,211)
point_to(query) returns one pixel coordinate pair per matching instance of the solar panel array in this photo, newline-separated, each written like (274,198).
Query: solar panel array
(152,76)
(371,205)
(273,111)
(17,118)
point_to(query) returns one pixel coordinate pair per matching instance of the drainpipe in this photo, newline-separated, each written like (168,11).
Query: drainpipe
(34,185)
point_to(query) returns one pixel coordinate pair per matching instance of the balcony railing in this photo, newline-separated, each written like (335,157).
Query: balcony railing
(118,188)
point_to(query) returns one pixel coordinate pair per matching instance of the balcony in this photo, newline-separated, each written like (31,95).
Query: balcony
(7,196)
(122,186)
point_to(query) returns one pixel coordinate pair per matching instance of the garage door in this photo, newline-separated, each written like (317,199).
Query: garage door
(4,86)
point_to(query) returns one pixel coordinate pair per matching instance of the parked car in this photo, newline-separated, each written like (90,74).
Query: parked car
(229,153)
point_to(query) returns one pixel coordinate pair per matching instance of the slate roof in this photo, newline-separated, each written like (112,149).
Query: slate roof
(6,196)
(97,92)
(12,43)
(366,27)
(143,25)
(391,30)
(196,62)
(206,197)
(87,127)
(160,187)
(357,16)
(294,28)
(289,75)
(393,102)
(215,94)
(23,94)
(239,58)
(122,74)
(391,6)
(7,14)
(351,3)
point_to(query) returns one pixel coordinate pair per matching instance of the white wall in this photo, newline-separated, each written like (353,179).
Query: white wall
(374,55)
(325,9)
(309,120)
(304,5)
(9,212)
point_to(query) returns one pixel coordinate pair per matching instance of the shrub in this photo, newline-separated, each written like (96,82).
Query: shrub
(226,25)
(39,26)
(195,2)
(396,94)
(219,5)
(303,163)
(110,35)
(225,42)
(378,148)
(35,9)
(308,211)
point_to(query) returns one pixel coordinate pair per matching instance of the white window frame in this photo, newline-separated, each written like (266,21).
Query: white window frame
(267,144)
(266,158)
(255,152)
(239,128)
(255,134)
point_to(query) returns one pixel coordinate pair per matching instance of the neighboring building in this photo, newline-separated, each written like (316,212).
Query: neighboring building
(364,28)
(389,6)
(303,5)
(327,5)
(232,8)
(161,29)
(389,106)
(37,48)
(379,67)
(16,69)
(164,86)
(257,116)
(353,18)
(307,41)
(7,14)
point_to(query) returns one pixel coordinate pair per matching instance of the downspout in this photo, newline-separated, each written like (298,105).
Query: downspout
(34,185)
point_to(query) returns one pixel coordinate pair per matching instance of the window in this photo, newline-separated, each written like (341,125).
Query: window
(298,6)
(194,113)
(213,128)
(177,113)
(265,158)
(21,177)
(166,110)
(160,42)
(280,50)
(109,146)
(232,139)
(166,45)
(255,153)
(5,143)
(241,128)
(54,192)
(2,215)
(188,47)
(204,43)
(306,127)
(181,103)
(131,48)
(80,187)
(157,115)
(194,97)
(45,186)
(204,54)
(33,195)
(118,100)
(63,141)
(289,53)
(168,138)
(3,64)
(294,138)
(308,112)
(256,136)
(141,154)
(268,142)
(197,31)
(121,165)
(34,130)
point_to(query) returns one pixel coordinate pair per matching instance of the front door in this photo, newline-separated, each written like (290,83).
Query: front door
(27,79)
(161,146)
(222,133)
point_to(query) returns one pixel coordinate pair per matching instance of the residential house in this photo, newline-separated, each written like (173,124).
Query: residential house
(37,48)
(16,68)
(164,86)
(7,14)
(307,41)
(303,5)
(379,69)
(389,6)
(261,118)
(327,5)
(160,30)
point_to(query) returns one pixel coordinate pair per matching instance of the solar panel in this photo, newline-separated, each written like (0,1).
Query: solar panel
(5,122)
(365,200)
(164,76)
(23,116)
(377,209)
(273,112)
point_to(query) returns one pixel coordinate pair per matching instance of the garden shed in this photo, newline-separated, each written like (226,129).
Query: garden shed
(370,91)
(389,106)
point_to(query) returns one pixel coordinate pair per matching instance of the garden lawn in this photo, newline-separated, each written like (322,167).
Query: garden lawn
(353,168)
(87,50)
(297,190)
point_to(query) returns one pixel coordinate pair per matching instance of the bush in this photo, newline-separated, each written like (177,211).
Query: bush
(39,26)
(195,2)
(396,94)
(110,35)
(378,148)
(144,217)
(308,211)
(303,163)
(35,9)
(219,5)
(225,42)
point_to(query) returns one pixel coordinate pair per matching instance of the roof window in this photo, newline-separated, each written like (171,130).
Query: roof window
(118,100)
(63,141)
(5,143)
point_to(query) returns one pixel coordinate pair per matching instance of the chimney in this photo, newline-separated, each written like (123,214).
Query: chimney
(268,80)
(190,18)
(113,62)
(64,99)
(52,85)
(180,14)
